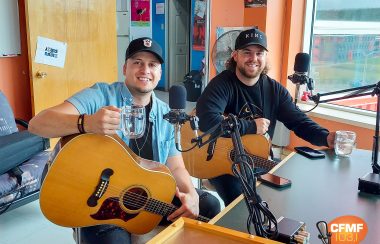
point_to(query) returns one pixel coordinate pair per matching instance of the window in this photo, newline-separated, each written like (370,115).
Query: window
(345,47)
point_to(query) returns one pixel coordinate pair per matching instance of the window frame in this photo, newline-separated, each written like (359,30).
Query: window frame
(307,48)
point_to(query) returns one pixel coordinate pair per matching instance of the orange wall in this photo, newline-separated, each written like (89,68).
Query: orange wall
(223,15)
(364,136)
(14,75)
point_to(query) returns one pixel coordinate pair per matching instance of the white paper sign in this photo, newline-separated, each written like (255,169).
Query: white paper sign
(50,52)
(160,8)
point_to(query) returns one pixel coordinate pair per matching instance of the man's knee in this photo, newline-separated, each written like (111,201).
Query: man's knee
(209,205)
(227,186)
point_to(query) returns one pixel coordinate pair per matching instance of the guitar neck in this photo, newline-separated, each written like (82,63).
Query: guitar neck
(165,209)
(262,162)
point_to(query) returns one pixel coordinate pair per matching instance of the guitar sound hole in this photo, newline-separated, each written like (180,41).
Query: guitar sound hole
(135,198)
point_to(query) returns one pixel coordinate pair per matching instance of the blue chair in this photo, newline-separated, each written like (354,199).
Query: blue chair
(23,157)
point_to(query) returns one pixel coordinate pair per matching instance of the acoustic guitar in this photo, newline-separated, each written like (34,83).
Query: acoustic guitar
(97,179)
(207,162)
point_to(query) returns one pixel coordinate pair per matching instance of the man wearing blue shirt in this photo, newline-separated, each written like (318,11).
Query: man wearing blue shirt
(98,109)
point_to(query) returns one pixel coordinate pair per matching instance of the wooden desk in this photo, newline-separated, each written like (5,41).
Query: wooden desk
(322,189)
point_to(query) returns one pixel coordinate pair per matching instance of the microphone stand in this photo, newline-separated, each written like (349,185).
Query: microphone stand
(370,182)
(260,217)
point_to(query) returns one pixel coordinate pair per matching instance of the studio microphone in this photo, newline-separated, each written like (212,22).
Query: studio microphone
(301,67)
(177,115)
(324,234)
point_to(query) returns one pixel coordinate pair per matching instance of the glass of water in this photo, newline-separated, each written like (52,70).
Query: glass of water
(345,142)
(133,121)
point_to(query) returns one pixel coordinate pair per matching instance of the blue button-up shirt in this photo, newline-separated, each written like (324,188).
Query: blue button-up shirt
(90,100)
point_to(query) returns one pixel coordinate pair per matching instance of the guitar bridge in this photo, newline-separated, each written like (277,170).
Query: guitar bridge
(101,188)
(210,150)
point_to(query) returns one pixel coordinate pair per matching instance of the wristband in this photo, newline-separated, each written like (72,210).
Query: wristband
(80,124)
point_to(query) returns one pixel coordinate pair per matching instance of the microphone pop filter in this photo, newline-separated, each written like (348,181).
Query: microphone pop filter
(177,97)
(302,62)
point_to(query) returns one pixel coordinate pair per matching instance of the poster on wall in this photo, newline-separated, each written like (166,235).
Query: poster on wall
(255,3)
(140,13)
(199,27)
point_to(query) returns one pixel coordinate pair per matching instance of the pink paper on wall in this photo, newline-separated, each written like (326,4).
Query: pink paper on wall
(140,13)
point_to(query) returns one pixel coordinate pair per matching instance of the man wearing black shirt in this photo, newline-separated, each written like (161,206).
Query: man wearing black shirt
(245,90)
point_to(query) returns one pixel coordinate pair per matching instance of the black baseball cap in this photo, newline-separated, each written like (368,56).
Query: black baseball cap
(145,44)
(251,37)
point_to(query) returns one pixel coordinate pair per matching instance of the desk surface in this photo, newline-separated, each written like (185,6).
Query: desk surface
(322,189)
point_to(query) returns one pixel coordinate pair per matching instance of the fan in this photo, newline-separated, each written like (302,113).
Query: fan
(223,48)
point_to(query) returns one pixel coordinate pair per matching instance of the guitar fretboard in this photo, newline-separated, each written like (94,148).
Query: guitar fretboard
(257,161)
(165,209)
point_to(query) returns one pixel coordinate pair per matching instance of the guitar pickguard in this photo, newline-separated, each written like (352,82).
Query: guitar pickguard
(131,202)
(110,209)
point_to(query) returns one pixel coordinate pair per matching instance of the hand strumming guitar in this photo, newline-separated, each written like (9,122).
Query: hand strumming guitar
(189,207)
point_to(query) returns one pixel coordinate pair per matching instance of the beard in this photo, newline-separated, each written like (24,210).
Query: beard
(142,90)
(249,74)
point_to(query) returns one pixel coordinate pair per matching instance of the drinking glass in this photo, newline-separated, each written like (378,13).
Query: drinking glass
(133,121)
(345,142)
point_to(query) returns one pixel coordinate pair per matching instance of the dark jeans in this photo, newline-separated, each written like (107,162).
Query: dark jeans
(108,234)
(228,187)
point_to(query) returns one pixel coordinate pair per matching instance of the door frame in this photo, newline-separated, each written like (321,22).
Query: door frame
(167,40)
(207,40)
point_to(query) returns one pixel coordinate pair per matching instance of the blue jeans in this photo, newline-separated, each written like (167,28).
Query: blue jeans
(208,207)
(228,187)
(104,234)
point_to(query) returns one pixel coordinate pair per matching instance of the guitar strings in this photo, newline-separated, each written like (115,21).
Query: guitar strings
(256,159)
(156,204)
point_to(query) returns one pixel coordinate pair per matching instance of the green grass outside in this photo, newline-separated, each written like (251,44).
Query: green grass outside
(337,76)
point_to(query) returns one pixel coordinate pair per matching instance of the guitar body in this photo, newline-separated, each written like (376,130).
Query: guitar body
(95,179)
(196,161)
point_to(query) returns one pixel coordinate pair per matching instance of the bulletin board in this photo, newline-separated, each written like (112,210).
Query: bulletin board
(9,29)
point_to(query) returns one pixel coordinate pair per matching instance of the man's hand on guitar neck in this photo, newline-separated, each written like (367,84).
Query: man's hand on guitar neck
(189,207)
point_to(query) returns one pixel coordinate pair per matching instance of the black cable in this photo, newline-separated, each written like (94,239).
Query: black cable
(264,222)
(186,150)
(316,105)
(260,217)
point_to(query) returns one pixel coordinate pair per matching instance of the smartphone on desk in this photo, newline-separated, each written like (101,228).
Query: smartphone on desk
(309,152)
(274,180)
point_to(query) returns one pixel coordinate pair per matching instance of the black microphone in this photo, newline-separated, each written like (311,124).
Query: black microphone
(177,115)
(301,67)
(324,234)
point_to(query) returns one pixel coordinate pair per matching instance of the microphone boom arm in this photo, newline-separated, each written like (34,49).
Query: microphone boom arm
(359,92)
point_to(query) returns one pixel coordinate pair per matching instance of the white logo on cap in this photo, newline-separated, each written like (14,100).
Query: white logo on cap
(253,35)
(147,42)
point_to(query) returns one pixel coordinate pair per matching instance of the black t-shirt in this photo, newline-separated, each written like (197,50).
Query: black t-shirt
(252,101)
(143,146)
(226,94)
